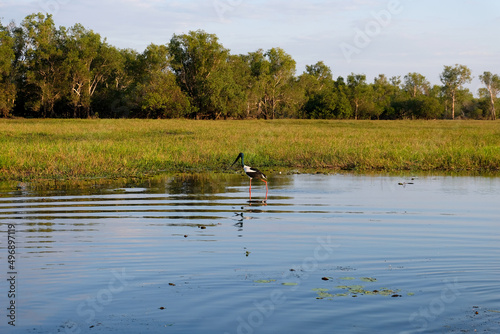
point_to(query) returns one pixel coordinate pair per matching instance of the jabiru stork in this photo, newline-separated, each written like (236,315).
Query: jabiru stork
(252,173)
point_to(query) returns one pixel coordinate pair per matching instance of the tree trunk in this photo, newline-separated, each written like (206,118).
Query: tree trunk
(453,105)
(356,104)
(493,112)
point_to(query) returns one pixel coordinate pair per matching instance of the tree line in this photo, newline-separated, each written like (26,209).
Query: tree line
(47,71)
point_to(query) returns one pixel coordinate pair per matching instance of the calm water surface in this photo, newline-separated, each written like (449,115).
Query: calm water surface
(190,254)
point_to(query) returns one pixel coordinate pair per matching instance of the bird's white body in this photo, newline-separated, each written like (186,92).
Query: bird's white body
(253,173)
(248,169)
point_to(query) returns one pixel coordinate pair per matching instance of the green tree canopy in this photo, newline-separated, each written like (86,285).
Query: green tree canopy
(320,95)
(7,86)
(360,94)
(156,93)
(48,71)
(42,58)
(453,79)
(415,84)
(492,83)
(199,62)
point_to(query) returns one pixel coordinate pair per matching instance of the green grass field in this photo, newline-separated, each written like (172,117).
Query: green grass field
(79,149)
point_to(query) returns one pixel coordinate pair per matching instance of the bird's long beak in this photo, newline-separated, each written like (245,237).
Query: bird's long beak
(235,161)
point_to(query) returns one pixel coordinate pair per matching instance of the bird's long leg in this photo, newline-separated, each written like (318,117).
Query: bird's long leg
(250,189)
(266,188)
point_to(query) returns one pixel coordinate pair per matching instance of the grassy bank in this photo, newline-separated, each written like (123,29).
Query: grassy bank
(47,149)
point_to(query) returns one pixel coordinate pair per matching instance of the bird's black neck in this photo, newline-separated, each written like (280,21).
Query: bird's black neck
(241,158)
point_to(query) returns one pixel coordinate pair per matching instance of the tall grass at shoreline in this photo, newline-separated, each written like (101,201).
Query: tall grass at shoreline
(75,149)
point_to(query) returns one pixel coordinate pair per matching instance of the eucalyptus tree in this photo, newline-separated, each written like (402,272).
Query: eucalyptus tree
(492,83)
(415,84)
(7,86)
(272,85)
(88,62)
(225,94)
(240,83)
(421,101)
(343,108)
(258,67)
(383,93)
(360,94)
(321,72)
(319,90)
(42,57)
(278,81)
(396,81)
(156,93)
(113,96)
(200,64)
(321,104)
(244,83)
(453,79)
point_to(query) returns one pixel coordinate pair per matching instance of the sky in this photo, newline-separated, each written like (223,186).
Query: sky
(372,37)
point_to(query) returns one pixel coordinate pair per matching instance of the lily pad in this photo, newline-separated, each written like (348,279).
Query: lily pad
(368,279)
(356,289)
(264,281)
(322,293)
(289,283)
(387,292)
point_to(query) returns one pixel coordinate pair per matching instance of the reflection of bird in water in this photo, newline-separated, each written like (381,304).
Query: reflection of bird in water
(240,220)
(252,173)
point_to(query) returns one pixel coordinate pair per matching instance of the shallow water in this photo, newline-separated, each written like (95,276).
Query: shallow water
(190,254)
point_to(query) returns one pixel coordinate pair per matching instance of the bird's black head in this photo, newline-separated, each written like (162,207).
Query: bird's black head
(238,157)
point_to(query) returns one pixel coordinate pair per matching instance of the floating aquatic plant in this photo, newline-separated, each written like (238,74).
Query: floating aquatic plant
(264,281)
(355,290)
(368,279)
